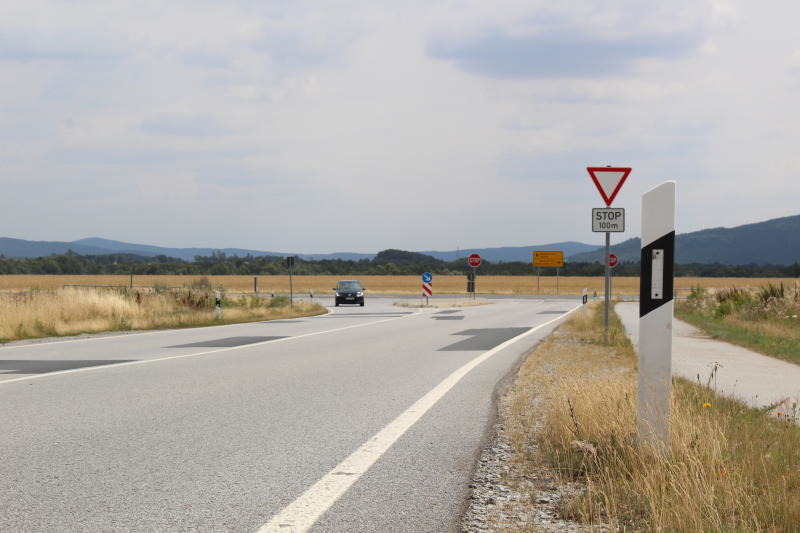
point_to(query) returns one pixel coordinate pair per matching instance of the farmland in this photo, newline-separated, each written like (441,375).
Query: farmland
(384,284)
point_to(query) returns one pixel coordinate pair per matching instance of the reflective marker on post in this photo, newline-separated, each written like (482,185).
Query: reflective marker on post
(655,316)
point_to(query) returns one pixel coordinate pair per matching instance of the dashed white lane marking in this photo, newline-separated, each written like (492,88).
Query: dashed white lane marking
(302,513)
(196,354)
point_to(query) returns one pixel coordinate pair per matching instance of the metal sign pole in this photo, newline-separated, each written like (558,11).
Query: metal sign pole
(538,280)
(557,278)
(656,286)
(291,288)
(607,288)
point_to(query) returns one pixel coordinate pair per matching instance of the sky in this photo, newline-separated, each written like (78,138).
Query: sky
(332,126)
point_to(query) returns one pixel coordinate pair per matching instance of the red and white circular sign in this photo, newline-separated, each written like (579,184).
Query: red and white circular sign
(474,260)
(613,260)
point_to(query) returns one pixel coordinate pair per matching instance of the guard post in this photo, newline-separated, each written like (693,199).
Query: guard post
(217,305)
(655,316)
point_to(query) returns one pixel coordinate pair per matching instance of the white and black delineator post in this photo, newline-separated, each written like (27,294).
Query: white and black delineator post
(217,305)
(655,316)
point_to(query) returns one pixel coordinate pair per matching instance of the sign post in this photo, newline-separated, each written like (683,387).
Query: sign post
(290,264)
(655,316)
(427,286)
(608,181)
(543,258)
(474,260)
(613,261)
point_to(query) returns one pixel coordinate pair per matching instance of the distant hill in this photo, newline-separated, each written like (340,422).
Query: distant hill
(772,242)
(22,248)
(402,257)
(508,254)
(97,246)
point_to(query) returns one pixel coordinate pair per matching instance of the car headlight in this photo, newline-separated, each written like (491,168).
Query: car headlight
(337,294)
(360,294)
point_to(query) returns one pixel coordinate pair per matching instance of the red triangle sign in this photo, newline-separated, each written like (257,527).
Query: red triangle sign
(609,181)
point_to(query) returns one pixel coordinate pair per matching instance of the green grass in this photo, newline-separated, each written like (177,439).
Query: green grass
(766,320)
(749,336)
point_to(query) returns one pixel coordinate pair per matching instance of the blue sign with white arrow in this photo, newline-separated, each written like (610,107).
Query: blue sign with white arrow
(427,277)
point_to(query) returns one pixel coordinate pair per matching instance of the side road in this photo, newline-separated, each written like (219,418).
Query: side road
(756,379)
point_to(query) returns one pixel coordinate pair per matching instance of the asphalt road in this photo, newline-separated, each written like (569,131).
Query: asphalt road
(365,419)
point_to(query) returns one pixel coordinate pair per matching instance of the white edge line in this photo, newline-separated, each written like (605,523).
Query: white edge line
(197,354)
(303,512)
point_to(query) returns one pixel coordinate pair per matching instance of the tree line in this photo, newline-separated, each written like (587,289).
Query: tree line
(388,262)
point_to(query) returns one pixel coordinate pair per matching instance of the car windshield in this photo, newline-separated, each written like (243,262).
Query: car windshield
(349,286)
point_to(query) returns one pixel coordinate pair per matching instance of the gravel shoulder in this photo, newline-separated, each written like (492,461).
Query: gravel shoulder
(507,496)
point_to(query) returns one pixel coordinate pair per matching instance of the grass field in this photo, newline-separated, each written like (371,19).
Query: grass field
(766,319)
(729,468)
(386,284)
(71,311)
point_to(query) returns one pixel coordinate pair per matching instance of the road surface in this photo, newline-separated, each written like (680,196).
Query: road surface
(364,419)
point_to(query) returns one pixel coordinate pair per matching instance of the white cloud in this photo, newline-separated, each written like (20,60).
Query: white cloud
(320,127)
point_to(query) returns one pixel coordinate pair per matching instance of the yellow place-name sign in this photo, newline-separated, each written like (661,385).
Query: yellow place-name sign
(548,259)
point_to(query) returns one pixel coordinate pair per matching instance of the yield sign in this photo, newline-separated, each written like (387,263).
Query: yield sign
(609,180)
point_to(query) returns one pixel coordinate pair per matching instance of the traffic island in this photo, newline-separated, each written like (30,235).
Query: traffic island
(443,303)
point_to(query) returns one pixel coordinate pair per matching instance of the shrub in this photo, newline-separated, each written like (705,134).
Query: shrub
(202,284)
(279,301)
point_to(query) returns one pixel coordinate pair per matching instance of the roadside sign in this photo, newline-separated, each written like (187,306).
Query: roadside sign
(608,181)
(427,289)
(427,277)
(474,260)
(608,219)
(613,260)
(548,259)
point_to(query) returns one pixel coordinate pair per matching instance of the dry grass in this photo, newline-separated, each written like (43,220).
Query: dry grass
(46,313)
(383,284)
(729,468)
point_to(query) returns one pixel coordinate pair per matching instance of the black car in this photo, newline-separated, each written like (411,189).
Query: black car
(349,291)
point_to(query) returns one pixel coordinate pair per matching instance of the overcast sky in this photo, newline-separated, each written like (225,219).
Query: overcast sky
(358,126)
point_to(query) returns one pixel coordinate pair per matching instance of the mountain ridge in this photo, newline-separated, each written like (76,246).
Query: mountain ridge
(775,241)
